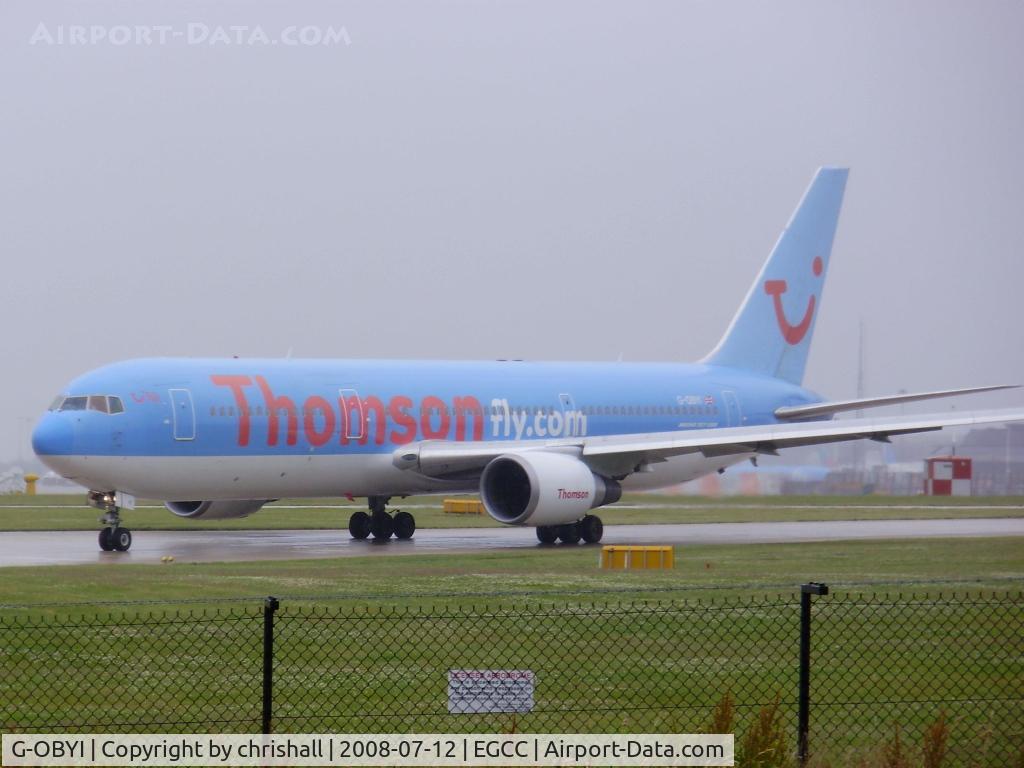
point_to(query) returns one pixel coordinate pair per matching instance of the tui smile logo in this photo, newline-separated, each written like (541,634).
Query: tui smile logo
(793,334)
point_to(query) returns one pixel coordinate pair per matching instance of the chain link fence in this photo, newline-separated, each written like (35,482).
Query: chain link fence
(875,663)
(882,661)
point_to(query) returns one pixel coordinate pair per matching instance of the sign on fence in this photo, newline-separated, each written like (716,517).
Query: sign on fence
(472,691)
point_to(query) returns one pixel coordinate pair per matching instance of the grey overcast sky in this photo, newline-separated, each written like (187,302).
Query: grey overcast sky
(567,180)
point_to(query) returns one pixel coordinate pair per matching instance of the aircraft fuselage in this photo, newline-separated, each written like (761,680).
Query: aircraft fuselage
(245,429)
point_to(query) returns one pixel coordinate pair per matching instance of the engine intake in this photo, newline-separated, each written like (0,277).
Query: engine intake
(215,510)
(540,488)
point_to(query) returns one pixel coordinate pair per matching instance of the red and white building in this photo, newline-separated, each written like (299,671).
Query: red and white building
(947,476)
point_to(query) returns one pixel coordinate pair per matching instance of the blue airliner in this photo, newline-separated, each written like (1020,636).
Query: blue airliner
(543,443)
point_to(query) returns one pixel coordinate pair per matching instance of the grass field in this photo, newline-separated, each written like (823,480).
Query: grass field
(64,512)
(376,660)
(654,668)
(532,574)
(352,658)
(535,576)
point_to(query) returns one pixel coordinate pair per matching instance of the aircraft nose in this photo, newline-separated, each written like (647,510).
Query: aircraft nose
(53,436)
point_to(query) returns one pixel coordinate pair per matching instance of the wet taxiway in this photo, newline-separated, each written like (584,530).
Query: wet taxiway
(80,547)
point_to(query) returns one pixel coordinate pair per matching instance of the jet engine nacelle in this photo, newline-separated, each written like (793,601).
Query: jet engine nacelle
(539,488)
(215,510)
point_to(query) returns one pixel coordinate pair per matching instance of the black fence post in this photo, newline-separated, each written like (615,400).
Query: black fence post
(270,605)
(804,714)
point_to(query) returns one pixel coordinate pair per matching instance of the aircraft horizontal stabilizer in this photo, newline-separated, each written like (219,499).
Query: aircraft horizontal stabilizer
(816,410)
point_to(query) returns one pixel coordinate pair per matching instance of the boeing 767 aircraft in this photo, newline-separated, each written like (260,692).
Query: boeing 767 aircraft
(543,443)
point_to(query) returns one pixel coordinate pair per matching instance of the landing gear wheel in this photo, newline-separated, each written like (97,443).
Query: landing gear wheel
(121,538)
(547,534)
(106,544)
(382,525)
(112,536)
(591,529)
(359,525)
(569,533)
(405,525)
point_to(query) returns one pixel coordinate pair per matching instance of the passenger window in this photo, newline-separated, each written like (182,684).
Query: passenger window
(115,405)
(77,403)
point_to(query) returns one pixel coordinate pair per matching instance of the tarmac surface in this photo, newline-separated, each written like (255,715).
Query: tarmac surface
(81,548)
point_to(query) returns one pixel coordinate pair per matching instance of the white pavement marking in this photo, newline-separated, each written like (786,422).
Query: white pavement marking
(641,505)
(80,547)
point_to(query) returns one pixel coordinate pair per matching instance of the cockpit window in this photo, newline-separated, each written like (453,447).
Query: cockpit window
(100,403)
(55,405)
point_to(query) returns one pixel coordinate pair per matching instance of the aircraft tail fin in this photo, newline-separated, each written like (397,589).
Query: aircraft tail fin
(771,333)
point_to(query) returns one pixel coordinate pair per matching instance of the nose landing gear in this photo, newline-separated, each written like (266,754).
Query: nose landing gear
(113,537)
(379,523)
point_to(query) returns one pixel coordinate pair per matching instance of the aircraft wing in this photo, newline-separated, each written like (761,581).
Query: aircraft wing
(816,410)
(620,455)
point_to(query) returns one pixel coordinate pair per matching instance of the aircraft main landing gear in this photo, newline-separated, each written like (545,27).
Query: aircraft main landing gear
(359,525)
(405,525)
(547,534)
(590,530)
(381,525)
